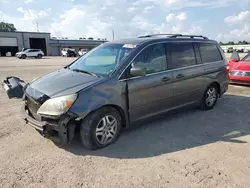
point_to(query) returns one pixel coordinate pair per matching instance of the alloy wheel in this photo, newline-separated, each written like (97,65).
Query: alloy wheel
(106,129)
(211,96)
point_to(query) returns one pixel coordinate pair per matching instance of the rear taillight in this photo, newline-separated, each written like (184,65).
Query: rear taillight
(228,69)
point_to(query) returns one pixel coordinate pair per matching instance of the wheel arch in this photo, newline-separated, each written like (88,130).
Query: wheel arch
(120,110)
(217,86)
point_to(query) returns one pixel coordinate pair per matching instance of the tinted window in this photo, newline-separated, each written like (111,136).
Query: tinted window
(181,55)
(209,53)
(246,58)
(197,54)
(153,59)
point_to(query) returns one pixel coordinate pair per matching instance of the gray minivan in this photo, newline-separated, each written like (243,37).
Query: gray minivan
(123,81)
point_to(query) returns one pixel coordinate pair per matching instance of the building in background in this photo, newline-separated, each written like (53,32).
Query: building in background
(16,41)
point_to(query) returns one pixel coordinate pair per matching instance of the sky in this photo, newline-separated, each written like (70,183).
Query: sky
(221,20)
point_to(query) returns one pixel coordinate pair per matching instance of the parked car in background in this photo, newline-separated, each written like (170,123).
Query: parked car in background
(68,52)
(239,69)
(230,50)
(240,50)
(36,53)
(121,82)
(246,50)
(82,52)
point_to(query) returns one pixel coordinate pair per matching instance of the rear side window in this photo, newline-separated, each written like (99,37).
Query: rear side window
(209,53)
(181,55)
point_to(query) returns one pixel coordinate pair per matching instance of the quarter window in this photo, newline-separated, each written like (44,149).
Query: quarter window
(209,53)
(181,55)
(152,59)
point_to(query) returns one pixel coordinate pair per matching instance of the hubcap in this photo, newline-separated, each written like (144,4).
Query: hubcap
(106,129)
(211,96)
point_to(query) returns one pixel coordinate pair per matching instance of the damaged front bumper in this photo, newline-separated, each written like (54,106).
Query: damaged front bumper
(64,125)
(38,125)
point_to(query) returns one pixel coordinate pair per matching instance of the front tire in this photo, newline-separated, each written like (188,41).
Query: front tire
(100,128)
(210,97)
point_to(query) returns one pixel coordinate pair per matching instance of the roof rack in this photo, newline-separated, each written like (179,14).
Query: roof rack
(188,36)
(161,34)
(174,36)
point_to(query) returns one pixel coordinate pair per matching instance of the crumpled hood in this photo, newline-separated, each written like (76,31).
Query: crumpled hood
(63,80)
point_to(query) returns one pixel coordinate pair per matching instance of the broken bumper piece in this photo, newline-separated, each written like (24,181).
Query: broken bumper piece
(13,87)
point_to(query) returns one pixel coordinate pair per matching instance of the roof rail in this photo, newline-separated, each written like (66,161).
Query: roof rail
(161,34)
(189,36)
(174,36)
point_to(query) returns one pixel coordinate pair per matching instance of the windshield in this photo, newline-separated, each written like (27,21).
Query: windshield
(102,60)
(246,58)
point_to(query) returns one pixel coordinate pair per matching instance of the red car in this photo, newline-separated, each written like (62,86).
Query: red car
(239,70)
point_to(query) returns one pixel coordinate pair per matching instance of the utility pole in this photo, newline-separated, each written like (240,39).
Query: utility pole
(37,27)
(113,34)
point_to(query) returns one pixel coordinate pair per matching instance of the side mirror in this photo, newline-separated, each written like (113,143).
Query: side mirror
(234,60)
(137,71)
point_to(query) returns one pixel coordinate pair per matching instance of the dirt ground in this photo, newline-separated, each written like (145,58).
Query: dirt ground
(190,149)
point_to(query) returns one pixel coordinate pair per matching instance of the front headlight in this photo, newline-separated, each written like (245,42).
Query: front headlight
(57,106)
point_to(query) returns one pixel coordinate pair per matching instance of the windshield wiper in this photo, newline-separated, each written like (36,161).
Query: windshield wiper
(83,71)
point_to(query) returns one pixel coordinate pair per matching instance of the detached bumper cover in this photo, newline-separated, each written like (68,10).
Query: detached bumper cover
(13,87)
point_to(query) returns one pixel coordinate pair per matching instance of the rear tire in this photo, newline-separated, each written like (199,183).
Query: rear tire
(210,97)
(100,128)
(39,56)
(23,56)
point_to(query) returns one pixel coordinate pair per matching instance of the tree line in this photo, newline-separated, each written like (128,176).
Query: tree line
(7,27)
(234,43)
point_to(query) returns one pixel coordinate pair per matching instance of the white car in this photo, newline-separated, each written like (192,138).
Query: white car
(82,52)
(246,50)
(68,52)
(37,53)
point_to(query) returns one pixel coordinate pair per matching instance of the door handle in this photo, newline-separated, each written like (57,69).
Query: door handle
(165,79)
(180,76)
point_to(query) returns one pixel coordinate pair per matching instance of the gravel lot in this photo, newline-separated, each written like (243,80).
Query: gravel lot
(189,149)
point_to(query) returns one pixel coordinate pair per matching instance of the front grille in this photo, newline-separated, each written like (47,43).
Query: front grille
(32,105)
(34,100)
(33,108)
(240,73)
